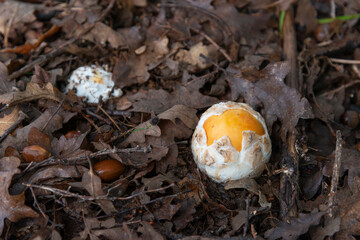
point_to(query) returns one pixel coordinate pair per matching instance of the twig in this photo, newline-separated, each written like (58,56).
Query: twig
(111,119)
(335,174)
(220,49)
(290,49)
(247,201)
(6,37)
(332,9)
(65,193)
(6,133)
(97,116)
(344,61)
(332,92)
(75,160)
(52,116)
(37,204)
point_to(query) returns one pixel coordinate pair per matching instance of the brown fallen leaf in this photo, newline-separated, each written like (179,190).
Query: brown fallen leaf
(295,227)
(57,172)
(32,92)
(36,137)
(162,136)
(252,186)
(12,207)
(279,101)
(92,184)
(8,120)
(5,85)
(157,101)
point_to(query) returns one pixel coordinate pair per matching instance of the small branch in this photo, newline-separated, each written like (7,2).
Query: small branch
(65,193)
(247,215)
(332,92)
(75,160)
(220,49)
(21,117)
(52,116)
(335,174)
(344,61)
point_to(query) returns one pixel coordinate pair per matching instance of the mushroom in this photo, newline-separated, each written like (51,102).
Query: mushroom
(231,142)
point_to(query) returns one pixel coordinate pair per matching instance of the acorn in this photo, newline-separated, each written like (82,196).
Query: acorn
(109,170)
(350,119)
(72,134)
(35,153)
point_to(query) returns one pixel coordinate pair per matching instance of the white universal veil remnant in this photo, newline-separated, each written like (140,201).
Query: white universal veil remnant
(231,142)
(91,82)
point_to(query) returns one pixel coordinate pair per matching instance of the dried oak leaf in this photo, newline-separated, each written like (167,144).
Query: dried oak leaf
(12,207)
(8,120)
(279,101)
(162,136)
(252,186)
(92,184)
(295,228)
(349,162)
(32,92)
(58,171)
(157,101)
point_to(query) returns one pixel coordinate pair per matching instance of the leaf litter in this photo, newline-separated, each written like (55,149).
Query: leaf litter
(173,60)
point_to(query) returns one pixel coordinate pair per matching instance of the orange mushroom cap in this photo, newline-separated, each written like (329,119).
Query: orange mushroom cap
(232,123)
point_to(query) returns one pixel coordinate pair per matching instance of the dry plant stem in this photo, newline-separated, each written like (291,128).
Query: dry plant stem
(344,61)
(6,133)
(289,179)
(290,49)
(335,174)
(44,58)
(52,116)
(65,193)
(111,119)
(97,116)
(246,228)
(332,92)
(9,26)
(220,49)
(37,204)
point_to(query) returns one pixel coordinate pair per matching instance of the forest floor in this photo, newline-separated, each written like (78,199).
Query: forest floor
(296,62)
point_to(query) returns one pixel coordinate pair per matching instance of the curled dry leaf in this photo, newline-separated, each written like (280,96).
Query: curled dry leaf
(162,136)
(252,186)
(92,184)
(8,120)
(32,92)
(295,228)
(269,90)
(12,207)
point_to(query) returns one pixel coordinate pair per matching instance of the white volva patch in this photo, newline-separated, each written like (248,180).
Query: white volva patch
(91,82)
(221,161)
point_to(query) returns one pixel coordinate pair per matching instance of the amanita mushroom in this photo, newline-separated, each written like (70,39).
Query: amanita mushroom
(231,142)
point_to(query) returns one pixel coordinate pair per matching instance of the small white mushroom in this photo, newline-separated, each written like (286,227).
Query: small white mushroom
(91,82)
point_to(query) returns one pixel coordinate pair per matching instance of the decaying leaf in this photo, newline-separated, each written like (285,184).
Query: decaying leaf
(12,207)
(162,136)
(279,101)
(92,184)
(32,92)
(157,101)
(252,186)
(296,227)
(8,120)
